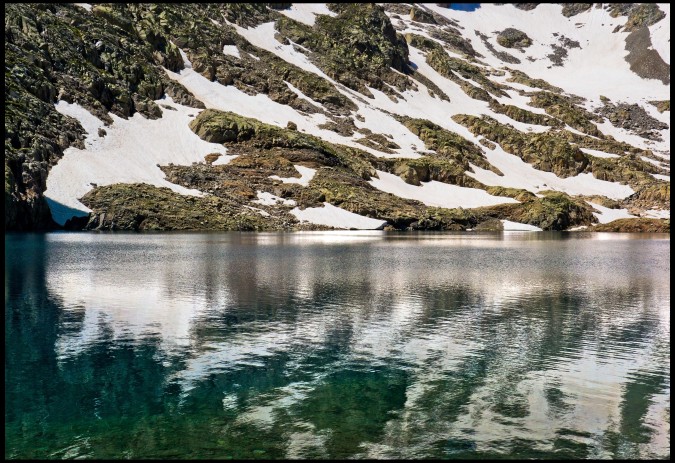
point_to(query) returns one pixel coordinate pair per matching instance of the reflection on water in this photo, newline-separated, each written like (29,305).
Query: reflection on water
(337,344)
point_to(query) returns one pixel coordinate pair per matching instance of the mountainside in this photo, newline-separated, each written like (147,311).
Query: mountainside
(311,116)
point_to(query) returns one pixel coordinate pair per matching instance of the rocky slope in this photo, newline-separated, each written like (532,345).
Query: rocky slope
(313,116)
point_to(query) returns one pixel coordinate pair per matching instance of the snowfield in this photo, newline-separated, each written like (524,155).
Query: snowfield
(129,153)
(131,150)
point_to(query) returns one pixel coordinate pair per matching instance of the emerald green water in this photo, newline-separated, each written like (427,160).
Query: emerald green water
(337,345)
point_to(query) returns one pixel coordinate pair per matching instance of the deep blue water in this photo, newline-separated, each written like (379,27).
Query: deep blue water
(464,6)
(337,345)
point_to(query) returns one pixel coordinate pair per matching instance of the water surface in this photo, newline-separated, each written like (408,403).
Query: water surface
(337,345)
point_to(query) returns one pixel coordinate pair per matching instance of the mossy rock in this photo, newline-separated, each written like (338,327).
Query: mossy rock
(426,169)
(447,144)
(555,211)
(513,38)
(142,207)
(545,151)
(661,105)
(566,110)
(519,194)
(522,78)
(637,225)
(573,9)
(489,225)
(421,16)
(523,115)
(358,47)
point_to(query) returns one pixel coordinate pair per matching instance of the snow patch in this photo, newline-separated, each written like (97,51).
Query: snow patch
(129,153)
(306,173)
(86,6)
(306,12)
(660,34)
(657,214)
(336,217)
(519,174)
(606,215)
(599,154)
(231,50)
(515,226)
(268,199)
(436,193)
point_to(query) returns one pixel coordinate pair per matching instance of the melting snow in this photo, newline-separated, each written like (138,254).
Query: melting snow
(515,226)
(306,173)
(437,194)
(306,12)
(231,50)
(333,216)
(606,215)
(129,153)
(268,199)
(599,154)
(519,174)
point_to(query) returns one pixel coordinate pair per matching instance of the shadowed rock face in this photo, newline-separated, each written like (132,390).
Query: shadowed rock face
(644,60)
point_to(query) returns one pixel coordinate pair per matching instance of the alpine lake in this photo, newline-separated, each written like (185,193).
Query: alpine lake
(328,345)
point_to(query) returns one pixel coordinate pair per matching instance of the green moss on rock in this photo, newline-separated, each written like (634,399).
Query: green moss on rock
(637,225)
(142,207)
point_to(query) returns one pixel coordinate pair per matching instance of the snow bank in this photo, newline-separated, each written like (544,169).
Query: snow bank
(231,50)
(606,215)
(585,70)
(129,153)
(519,174)
(306,12)
(515,226)
(599,154)
(333,216)
(268,199)
(435,193)
(306,173)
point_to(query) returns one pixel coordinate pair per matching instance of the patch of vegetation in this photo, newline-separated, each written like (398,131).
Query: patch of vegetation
(564,108)
(661,105)
(522,78)
(573,9)
(513,38)
(142,207)
(523,115)
(358,47)
(637,225)
(545,151)
(447,144)
(555,211)
(428,168)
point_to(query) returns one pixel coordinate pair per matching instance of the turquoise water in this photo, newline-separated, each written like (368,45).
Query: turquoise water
(337,345)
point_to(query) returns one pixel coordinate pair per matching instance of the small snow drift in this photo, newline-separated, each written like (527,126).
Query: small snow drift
(336,217)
